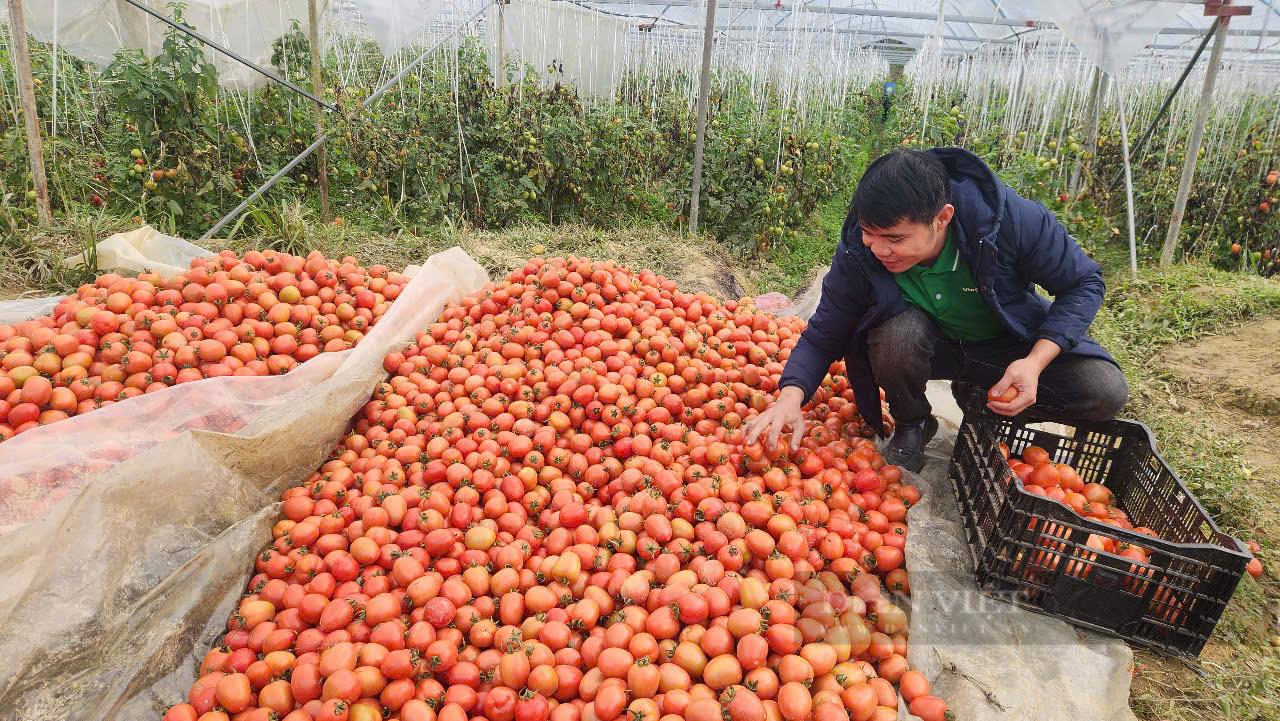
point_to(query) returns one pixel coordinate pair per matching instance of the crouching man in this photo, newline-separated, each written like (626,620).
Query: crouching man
(934,278)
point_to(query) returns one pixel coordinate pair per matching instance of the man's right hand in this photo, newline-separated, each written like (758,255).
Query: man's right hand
(784,412)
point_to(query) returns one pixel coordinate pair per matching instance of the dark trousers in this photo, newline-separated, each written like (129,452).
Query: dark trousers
(909,350)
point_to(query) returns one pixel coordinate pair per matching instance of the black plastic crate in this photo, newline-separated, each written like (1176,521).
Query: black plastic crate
(1030,550)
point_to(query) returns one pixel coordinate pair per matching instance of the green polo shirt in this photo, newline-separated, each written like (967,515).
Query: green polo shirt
(946,291)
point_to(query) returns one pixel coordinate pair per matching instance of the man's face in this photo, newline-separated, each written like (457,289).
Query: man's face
(908,243)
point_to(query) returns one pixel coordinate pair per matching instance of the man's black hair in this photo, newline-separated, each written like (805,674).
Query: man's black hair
(901,185)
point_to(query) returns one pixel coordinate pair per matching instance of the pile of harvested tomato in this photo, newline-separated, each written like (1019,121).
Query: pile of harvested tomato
(120,337)
(549,514)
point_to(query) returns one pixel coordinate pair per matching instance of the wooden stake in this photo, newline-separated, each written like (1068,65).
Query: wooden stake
(704,87)
(27,94)
(500,70)
(317,63)
(1193,146)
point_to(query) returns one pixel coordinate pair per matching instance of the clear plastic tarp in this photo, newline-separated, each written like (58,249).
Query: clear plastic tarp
(392,23)
(145,250)
(94,30)
(46,465)
(1112,32)
(1131,27)
(586,52)
(17,310)
(109,597)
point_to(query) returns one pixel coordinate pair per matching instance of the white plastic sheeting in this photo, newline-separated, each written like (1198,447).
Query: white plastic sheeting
(808,72)
(397,23)
(94,30)
(20,309)
(145,250)
(170,516)
(885,18)
(1112,32)
(586,38)
(40,467)
(586,52)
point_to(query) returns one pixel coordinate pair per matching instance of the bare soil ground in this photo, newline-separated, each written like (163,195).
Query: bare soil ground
(1228,384)
(1232,382)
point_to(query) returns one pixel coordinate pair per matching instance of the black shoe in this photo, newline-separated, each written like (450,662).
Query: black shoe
(906,448)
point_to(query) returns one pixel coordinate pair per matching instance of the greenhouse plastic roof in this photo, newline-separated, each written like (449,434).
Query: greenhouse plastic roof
(1109,32)
(967,24)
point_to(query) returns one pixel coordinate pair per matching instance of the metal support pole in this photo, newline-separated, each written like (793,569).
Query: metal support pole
(317,86)
(1128,182)
(1091,132)
(1173,92)
(265,187)
(1193,145)
(27,95)
(704,87)
(227,51)
(373,98)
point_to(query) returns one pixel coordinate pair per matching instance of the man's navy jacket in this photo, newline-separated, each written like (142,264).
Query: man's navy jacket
(1010,243)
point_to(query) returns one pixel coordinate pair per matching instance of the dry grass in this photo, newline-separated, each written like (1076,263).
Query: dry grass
(694,263)
(31,264)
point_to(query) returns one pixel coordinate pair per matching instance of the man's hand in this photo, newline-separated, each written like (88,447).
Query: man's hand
(784,412)
(1023,375)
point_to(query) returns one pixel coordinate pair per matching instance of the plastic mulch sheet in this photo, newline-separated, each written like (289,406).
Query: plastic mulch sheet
(992,661)
(109,598)
(144,250)
(40,467)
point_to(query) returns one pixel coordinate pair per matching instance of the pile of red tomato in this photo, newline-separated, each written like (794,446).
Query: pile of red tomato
(548,513)
(260,314)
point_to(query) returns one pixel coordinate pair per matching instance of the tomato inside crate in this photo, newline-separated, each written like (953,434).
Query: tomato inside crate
(1092,527)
